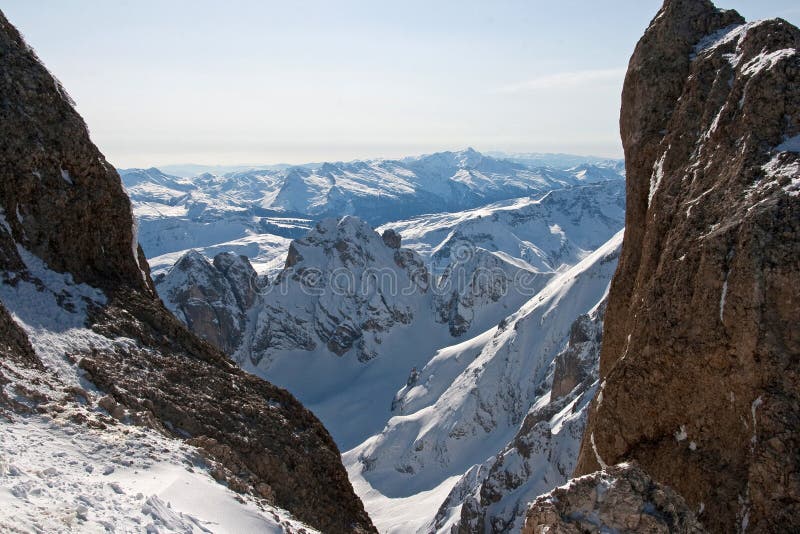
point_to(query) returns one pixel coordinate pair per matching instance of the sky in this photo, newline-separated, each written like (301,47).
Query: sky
(261,82)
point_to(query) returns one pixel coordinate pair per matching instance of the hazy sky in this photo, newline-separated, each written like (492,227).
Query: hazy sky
(255,82)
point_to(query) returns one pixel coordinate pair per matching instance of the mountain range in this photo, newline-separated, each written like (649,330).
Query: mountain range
(448,343)
(177,214)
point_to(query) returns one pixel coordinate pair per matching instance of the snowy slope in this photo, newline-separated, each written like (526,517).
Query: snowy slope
(495,495)
(58,476)
(79,469)
(266,252)
(177,214)
(469,401)
(548,232)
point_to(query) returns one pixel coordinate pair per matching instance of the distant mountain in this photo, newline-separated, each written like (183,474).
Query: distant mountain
(556,230)
(189,170)
(176,214)
(558,161)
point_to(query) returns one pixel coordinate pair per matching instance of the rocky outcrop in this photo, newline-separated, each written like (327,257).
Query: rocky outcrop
(391,238)
(699,367)
(85,328)
(211,298)
(579,361)
(622,498)
(475,281)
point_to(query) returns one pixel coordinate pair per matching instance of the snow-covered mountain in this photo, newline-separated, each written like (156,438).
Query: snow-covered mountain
(494,496)
(549,232)
(493,396)
(176,214)
(429,346)
(358,311)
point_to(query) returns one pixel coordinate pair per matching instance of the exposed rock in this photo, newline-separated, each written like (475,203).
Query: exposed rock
(475,281)
(260,435)
(62,203)
(212,299)
(699,360)
(580,359)
(55,186)
(244,280)
(622,498)
(391,238)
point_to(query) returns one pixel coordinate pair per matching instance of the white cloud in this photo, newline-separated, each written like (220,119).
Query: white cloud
(564,80)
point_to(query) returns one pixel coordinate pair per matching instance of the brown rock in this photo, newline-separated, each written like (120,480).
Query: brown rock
(391,238)
(62,200)
(620,499)
(699,362)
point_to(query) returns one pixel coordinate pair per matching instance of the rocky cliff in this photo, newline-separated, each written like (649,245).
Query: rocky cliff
(85,339)
(699,365)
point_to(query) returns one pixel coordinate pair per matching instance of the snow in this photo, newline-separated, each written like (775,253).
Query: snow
(470,399)
(753,407)
(54,329)
(782,167)
(547,233)
(722,297)
(400,515)
(790,145)
(66,177)
(410,446)
(681,434)
(736,34)
(597,457)
(59,476)
(765,61)
(177,214)
(721,37)
(266,252)
(657,176)
(3,222)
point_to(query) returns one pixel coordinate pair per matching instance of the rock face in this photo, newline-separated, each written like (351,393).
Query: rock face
(477,282)
(212,298)
(622,498)
(343,288)
(84,322)
(54,184)
(699,365)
